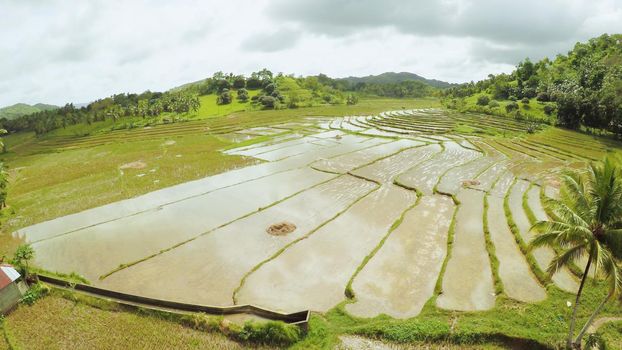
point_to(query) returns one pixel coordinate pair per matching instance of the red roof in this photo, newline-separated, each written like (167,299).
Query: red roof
(5,279)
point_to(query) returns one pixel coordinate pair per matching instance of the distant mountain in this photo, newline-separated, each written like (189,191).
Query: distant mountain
(392,77)
(20,109)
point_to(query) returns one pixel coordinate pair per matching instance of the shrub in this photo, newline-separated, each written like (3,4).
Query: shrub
(201,322)
(493,104)
(34,293)
(483,100)
(512,98)
(268,101)
(242,95)
(512,106)
(271,332)
(548,109)
(525,100)
(270,88)
(529,92)
(352,99)
(543,97)
(224,98)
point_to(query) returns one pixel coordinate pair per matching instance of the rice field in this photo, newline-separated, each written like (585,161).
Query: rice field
(391,212)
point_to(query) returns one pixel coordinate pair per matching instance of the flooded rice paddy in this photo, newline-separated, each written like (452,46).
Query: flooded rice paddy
(380,204)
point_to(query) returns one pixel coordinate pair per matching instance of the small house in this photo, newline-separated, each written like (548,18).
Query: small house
(12,288)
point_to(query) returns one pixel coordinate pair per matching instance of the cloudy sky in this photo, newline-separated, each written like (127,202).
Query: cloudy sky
(77,51)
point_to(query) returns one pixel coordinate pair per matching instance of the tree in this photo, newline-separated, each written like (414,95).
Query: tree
(352,99)
(242,95)
(268,101)
(239,82)
(512,106)
(22,257)
(270,88)
(4,184)
(483,100)
(224,98)
(588,223)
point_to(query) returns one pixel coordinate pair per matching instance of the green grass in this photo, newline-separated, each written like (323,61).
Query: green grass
(66,320)
(534,110)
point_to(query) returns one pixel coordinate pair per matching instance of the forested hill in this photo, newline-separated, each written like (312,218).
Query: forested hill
(392,77)
(259,90)
(20,109)
(580,89)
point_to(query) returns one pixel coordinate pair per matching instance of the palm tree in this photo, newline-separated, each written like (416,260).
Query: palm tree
(588,223)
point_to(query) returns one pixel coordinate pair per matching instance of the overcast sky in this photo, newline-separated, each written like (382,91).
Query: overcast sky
(77,51)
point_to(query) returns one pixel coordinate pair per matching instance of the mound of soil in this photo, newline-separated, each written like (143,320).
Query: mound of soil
(281,228)
(467,183)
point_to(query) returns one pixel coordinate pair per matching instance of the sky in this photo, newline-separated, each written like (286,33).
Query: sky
(77,51)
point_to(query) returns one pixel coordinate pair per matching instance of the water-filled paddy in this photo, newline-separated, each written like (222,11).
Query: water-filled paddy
(371,202)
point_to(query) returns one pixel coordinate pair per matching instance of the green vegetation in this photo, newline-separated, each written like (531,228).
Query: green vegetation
(22,257)
(21,109)
(66,319)
(393,78)
(582,88)
(220,94)
(588,222)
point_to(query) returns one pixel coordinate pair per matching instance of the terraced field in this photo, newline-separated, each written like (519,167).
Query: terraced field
(388,212)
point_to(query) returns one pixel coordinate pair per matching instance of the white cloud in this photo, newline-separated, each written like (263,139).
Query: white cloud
(61,51)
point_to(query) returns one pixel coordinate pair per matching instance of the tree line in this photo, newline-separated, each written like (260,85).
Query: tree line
(584,86)
(145,105)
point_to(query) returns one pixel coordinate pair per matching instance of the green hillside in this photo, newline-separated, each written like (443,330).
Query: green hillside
(392,77)
(582,89)
(218,95)
(21,109)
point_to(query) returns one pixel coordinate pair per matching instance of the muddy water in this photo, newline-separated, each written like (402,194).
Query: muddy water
(425,176)
(208,269)
(502,184)
(468,283)
(452,181)
(314,272)
(401,277)
(351,127)
(489,177)
(347,162)
(163,197)
(306,147)
(254,150)
(134,237)
(385,170)
(543,256)
(518,281)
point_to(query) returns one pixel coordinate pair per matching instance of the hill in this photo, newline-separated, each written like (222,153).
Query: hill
(392,77)
(21,109)
(582,89)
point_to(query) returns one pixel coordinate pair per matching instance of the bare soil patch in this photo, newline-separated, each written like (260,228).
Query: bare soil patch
(467,183)
(281,228)
(139,164)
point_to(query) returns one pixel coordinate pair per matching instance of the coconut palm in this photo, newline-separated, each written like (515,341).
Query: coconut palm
(588,223)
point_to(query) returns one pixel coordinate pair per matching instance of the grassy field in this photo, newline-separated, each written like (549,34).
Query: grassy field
(56,322)
(533,110)
(63,173)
